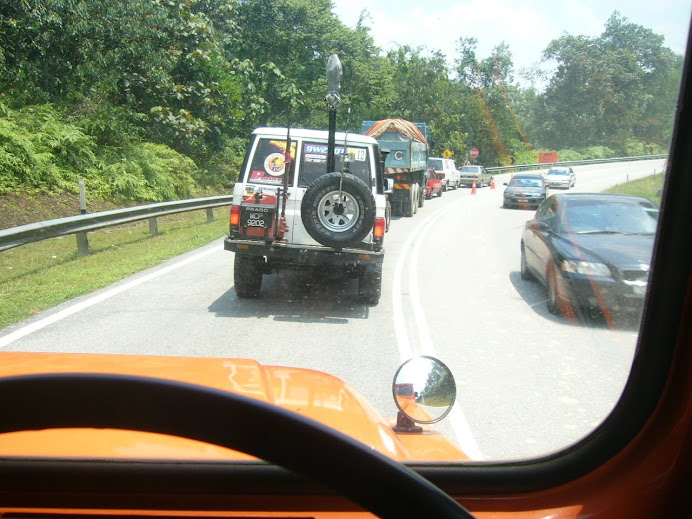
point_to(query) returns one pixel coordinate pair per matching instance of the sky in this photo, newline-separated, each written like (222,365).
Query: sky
(526,26)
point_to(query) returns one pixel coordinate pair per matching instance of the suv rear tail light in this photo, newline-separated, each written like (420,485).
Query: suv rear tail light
(235,216)
(440,175)
(379,228)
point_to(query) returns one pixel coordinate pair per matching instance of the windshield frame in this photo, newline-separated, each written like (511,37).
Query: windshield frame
(217,483)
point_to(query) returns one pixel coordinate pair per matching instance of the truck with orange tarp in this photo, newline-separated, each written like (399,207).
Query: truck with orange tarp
(406,162)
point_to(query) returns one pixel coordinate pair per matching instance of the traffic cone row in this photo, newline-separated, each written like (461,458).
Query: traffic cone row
(473,188)
(492,183)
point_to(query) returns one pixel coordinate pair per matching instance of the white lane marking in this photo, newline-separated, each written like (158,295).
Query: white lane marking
(78,307)
(405,350)
(418,310)
(459,424)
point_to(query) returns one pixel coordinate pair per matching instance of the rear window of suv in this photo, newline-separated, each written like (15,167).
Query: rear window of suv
(313,162)
(268,161)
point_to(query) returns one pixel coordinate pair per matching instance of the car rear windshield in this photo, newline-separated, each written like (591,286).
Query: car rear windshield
(313,162)
(610,217)
(526,182)
(470,169)
(436,164)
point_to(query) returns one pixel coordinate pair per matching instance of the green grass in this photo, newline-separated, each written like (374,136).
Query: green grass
(40,275)
(647,187)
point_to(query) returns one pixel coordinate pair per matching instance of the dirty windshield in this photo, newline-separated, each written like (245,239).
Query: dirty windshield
(147,226)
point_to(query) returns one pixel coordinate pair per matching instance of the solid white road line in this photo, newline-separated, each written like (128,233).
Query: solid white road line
(458,422)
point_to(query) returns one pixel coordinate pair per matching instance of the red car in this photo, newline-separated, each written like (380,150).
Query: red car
(434,186)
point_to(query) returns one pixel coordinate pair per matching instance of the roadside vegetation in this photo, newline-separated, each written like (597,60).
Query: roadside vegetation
(149,100)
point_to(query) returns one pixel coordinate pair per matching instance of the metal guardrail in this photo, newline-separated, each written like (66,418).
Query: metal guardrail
(520,167)
(81,224)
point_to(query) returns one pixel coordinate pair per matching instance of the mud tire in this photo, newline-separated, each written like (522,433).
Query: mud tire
(552,301)
(525,272)
(409,205)
(388,216)
(370,285)
(247,275)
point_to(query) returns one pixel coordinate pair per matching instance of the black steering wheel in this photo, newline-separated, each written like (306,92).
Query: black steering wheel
(287,439)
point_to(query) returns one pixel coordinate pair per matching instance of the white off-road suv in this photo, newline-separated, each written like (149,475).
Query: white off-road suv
(289,212)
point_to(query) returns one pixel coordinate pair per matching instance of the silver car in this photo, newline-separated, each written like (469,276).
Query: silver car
(560,177)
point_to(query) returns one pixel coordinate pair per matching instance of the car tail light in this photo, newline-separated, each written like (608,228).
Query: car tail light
(440,175)
(379,228)
(235,216)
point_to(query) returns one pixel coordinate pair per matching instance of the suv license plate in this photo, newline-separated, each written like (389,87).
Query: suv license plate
(258,217)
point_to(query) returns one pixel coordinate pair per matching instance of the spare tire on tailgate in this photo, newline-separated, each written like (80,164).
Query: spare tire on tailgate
(338,220)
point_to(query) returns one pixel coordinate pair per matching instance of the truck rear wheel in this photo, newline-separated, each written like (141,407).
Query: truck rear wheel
(421,197)
(370,285)
(247,275)
(388,216)
(338,219)
(409,204)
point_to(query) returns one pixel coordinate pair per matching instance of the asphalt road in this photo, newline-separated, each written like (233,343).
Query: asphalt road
(528,383)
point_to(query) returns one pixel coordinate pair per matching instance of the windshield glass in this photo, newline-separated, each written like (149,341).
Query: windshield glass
(268,164)
(612,217)
(144,144)
(314,162)
(436,164)
(526,182)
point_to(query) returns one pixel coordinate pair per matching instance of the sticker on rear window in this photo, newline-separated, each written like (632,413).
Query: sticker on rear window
(274,164)
(269,161)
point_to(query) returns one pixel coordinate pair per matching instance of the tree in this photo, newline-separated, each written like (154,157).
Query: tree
(604,87)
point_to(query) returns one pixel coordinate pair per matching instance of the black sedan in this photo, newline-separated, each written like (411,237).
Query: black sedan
(525,190)
(591,251)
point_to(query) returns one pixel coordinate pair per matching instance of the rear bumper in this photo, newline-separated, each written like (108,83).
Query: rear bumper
(289,256)
(524,202)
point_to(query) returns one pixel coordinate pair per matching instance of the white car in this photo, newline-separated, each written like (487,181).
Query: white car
(289,212)
(560,177)
(446,170)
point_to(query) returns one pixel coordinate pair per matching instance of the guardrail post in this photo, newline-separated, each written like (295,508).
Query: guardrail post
(82,243)
(153,225)
(82,197)
(210,214)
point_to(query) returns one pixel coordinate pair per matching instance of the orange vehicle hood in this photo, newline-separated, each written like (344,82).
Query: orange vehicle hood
(313,394)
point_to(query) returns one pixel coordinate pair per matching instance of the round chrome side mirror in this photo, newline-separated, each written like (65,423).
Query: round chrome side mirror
(424,392)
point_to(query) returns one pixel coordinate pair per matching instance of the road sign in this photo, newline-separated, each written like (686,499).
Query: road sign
(474,152)
(447,154)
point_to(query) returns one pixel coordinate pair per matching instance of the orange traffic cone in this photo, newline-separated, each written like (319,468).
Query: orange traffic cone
(473,188)
(492,183)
